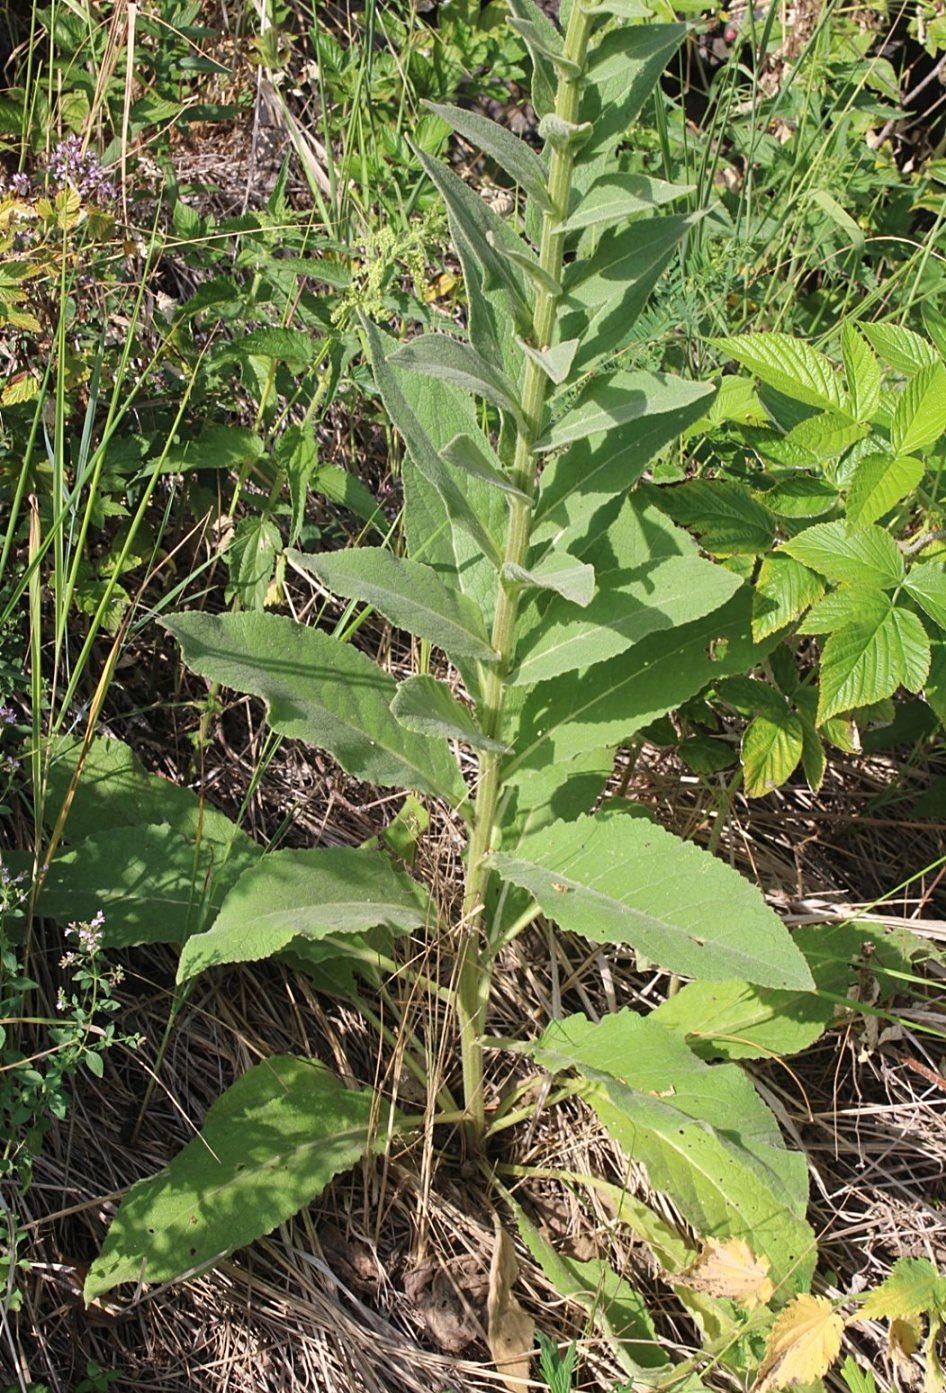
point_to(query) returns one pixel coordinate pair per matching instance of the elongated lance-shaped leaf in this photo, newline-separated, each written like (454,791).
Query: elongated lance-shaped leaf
(614,197)
(615,400)
(409,594)
(620,879)
(474,220)
(544,43)
(702,1133)
(320,690)
(424,705)
(440,356)
(558,572)
(475,456)
(555,362)
(623,70)
(308,894)
(268,1146)
(513,155)
(627,606)
(422,450)
(606,704)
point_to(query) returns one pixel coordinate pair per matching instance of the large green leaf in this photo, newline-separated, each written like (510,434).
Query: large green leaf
(409,594)
(703,1134)
(309,894)
(115,791)
(605,294)
(152,884)
(320,690)
(784,590)
(424,705)
(424,451)
(620,879)
(513,155)
(604,705)
(614,197)
(926,582)
(860,555)
(627,607)
(904,350)
(616,400)
(736,1020)
(450,360)
(792,367)
(622,72)
(880,482)
(268,1146)
(920,416)
(866,662)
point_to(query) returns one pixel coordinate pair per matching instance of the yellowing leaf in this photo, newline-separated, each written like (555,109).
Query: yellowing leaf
(510,1329)
(19,389)
(730,1270)
(904,1339)
(804,1343)
(913,1286)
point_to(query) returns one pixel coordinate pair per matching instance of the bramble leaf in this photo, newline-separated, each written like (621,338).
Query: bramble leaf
(860,555)
(866,662)
(792,367)
(804,1343)
(879,483)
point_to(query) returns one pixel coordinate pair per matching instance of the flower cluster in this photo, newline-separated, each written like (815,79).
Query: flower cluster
(69,166)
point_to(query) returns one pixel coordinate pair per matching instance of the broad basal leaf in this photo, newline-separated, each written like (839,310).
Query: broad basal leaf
(860,555)
(152,884)
(618,879)
(804,1343)
(736,1020)
(409,594)
(268,1146)
(320,690)
(424,705)
(628,606)
(792,367)
(705,1137)
(312,894)
(867,662)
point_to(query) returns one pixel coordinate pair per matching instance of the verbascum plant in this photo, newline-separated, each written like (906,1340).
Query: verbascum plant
(569,614)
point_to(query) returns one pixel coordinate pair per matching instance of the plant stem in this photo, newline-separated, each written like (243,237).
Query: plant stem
(473,966)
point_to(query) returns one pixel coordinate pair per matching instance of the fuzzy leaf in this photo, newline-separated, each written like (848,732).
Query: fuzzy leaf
(544,43)
(409,594)
(627,607)
(428,707)
(614,197)
(859,555)
(513,155)
(328,890)
(619,879)
(879,483)
(320,690)
(613,401)
(152,885)
(450,360)
(268,1147)
(555,362)
(474,455)
(706,1138)
(864,663)
(792,367)
(559,572)
(622,71)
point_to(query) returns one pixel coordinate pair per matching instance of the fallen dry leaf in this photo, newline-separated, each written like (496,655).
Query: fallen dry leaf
(510,1329)
(803,1344)
(730,1270)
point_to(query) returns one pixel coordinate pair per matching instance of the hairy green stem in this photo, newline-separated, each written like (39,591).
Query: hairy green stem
(473,964)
